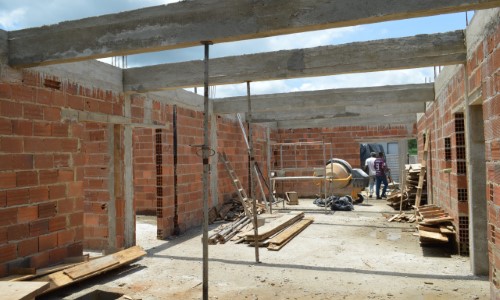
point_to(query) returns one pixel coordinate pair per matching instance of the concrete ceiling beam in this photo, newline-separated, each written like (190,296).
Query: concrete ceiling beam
(404,119)
(366,111)
(389,54)
(186,23)
(297,101)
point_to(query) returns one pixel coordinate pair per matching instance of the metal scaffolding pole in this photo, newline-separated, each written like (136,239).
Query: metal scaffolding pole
(252,165)
(206,171)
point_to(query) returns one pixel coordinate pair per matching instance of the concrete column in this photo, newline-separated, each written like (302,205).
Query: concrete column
(128,182)
(111,188)
(476,175)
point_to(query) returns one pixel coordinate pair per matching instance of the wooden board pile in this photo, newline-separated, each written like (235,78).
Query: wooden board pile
(412,173)
(277,233)
(402,217)
(434,226)
(225,232)
(79,269)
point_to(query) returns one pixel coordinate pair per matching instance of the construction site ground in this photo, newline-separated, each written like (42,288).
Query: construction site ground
(342,255)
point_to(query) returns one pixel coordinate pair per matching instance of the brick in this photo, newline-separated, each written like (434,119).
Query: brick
(65,176)
(32,112)
(52,114)
(62,160)
(57,255)
(48,176)
(59,99)
(27,247)
(44,161)
(65,237)
(76,219)
(7,180)
(39,194)
(75,189)
(22,127)
(38,228)
(75,102)
(40,144)
(3,235)
(8,253)
(39,260)
(23,93)
(57,191)
(47,210)
(26,178)
(16,162)
(57,223)
(8,216)
(5,91)
(91,105)
(65,206)
(60,129)
(47,242)
(11,109)
(17,232)
(3,199)
(5,126)
(42,129)
(69,145)
(11,144)
(18,197)
(43,96)
(75,249)
(27,214)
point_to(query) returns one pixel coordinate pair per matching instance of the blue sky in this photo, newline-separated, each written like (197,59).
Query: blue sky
(28,13)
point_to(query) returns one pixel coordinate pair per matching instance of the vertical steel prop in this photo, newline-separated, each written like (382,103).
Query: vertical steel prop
(252,165)
(206,172)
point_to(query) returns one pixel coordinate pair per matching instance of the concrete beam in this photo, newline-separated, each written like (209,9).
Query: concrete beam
(355,121)
(299,101)
(389,54)
(367,111)
(186,23)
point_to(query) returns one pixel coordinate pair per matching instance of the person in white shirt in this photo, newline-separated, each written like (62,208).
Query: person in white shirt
(370,169)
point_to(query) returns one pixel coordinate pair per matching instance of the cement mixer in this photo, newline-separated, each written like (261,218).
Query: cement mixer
(343,180)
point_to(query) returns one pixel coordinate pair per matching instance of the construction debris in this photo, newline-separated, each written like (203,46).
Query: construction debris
(435,227)
(412,173)
(402,217)
(274,235)
(63,275)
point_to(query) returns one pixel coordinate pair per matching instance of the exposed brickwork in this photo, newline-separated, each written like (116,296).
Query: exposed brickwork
(344,143)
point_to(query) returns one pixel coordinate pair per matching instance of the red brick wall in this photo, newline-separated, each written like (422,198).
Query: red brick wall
(483,72)
(41,179)
(144,171)
(345,143)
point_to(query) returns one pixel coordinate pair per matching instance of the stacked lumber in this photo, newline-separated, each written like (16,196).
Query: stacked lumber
(412,173)
(225,232)
(277,233)
(434,225)
(402,217)
(56,277)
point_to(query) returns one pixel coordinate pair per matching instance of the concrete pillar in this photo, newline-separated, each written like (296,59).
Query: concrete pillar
(111,188)
(128,182)
(476,175)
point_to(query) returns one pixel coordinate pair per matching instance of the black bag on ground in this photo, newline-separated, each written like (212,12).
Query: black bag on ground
(343,203)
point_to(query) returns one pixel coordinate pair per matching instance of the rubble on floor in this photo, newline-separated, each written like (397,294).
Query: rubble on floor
(74,270)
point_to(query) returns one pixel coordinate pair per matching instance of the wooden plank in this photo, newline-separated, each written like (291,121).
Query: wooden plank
(433,236)
(276,225)
(436,221)
(291,231)
(124,257)
(301,225)
(91,267)
(22,290)
(446,230)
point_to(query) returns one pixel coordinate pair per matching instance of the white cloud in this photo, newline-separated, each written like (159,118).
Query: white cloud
(9,20)
(309,39)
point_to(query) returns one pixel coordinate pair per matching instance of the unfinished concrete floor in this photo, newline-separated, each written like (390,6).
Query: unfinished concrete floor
(342,255)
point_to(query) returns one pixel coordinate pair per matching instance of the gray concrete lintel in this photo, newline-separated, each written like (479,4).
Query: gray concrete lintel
(186,23)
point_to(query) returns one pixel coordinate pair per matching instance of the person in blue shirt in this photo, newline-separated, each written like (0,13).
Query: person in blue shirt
(380,176)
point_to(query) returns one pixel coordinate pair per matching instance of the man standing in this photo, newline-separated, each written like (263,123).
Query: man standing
(370,169)
(380,169)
